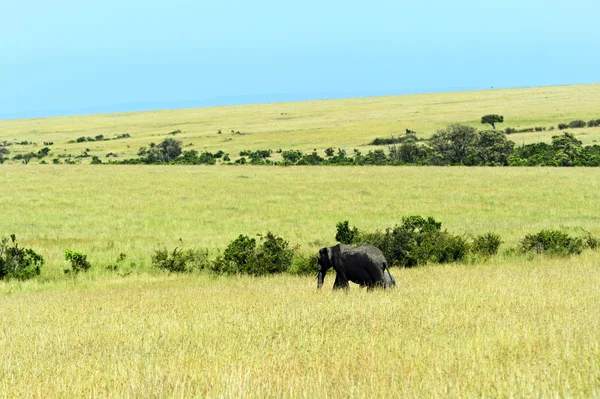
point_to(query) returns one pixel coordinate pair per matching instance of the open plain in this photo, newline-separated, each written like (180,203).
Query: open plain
(513,326)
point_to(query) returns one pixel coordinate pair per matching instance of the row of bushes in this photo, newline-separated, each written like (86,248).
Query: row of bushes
(565,150)
(39,155)
(510,130)
(416,241)
(455,145)
(24,263)
(579,123)
(99,137)
(409,137)
(575,124)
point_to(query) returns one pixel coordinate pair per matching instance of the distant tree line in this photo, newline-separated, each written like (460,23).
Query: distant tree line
(455,145)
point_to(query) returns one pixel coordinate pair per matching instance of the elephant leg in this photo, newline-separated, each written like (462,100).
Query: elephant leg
(340,283)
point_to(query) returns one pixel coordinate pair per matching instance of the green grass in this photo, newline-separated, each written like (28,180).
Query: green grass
(106,210)
(347,123)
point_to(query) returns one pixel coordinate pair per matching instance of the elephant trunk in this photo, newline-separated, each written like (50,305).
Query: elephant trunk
(320,278)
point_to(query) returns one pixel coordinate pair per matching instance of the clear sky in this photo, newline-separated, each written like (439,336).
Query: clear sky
(67,57)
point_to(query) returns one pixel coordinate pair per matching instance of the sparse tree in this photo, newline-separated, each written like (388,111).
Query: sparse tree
(492,119)
(166,151)
(453,145)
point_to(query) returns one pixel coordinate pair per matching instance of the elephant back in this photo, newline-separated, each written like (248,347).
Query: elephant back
(373,253)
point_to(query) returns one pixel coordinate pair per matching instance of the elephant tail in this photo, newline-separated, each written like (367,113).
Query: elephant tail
(392,280)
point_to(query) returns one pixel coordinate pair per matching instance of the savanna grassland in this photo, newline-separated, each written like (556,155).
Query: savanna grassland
(308,125)
(512,326)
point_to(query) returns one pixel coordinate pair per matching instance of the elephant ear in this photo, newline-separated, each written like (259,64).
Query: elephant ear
(324,258)
(335,255)
(330,256)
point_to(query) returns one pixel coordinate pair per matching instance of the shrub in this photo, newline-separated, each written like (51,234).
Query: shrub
(17,262)
(589,240)
(384,141)
(164,152)
(345,234)
(244,256)
(292,156)
(553,242)
(577,124)
(563,126)
(593,123)
(96,160)
(310,159)
(443,247)
(3,153)
(417,241)
(180,261)
(79,262)
(304,266)
(115,266)
(486,244)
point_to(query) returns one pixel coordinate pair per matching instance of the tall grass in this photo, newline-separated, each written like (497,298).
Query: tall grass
(502,329)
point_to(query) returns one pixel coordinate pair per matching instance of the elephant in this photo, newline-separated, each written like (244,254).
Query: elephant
(364,265)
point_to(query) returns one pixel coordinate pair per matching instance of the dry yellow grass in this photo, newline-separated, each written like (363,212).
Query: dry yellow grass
(503,329)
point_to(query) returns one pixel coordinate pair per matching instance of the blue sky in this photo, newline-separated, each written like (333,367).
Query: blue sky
(72,57)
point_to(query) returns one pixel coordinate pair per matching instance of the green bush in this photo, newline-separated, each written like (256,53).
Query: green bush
(79,262)
(244,256)
(417,241)
(593,123)
(180,261)
(345,234)
(553,242)
(3,154)
(304,266)
(16,262)
(589,240)
(577,124)
(486,244)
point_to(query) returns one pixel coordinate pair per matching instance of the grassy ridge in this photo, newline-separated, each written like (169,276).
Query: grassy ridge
(107,210)
(495,330)
(306,125)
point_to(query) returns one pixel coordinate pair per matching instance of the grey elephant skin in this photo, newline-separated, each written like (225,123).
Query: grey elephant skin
(364,265)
